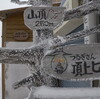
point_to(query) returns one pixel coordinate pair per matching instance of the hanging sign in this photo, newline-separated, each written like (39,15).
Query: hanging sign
(21,36)
(43,17)
(74,62)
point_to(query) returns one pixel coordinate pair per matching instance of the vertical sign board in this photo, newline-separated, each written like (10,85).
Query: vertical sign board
(74,62)
(43,17)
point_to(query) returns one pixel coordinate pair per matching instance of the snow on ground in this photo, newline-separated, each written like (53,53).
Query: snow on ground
(64,93)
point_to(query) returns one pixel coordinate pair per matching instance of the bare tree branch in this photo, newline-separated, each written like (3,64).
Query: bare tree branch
(34,54)
(82,10)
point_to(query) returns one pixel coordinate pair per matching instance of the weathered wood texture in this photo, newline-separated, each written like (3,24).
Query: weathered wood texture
(14,23)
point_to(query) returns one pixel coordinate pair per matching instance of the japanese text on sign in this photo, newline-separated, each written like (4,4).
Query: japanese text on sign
(74,62)
(85,63)
(42,17)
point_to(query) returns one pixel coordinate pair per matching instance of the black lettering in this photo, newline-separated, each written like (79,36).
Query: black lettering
(31,15)
(43,23)
(88,57)
(37,23)
(92,57)
(94,65)
(86,68)
(83,56)
(77,69)
(46,23)
(43,14)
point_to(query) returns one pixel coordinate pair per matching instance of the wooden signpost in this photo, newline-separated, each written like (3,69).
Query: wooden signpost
(74,62)
(21,36)
(43,17)
(66,62)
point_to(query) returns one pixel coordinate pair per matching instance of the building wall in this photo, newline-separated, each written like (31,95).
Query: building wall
(12,24)
(70,25)
(12,73)
(16,72)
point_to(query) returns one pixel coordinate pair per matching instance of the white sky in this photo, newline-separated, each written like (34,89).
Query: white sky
(5,4)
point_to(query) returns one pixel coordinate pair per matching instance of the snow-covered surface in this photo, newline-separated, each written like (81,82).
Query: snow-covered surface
(59,93)
(64,93)
(71,55)
(15,72)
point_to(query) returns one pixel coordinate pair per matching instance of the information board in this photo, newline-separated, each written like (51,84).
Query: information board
(43,17)
(74,62)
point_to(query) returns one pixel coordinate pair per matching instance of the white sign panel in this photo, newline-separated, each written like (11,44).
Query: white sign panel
(43,17)
(64,93)
(74,62)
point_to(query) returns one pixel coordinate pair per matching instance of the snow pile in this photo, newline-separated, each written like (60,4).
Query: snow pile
(64,93)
